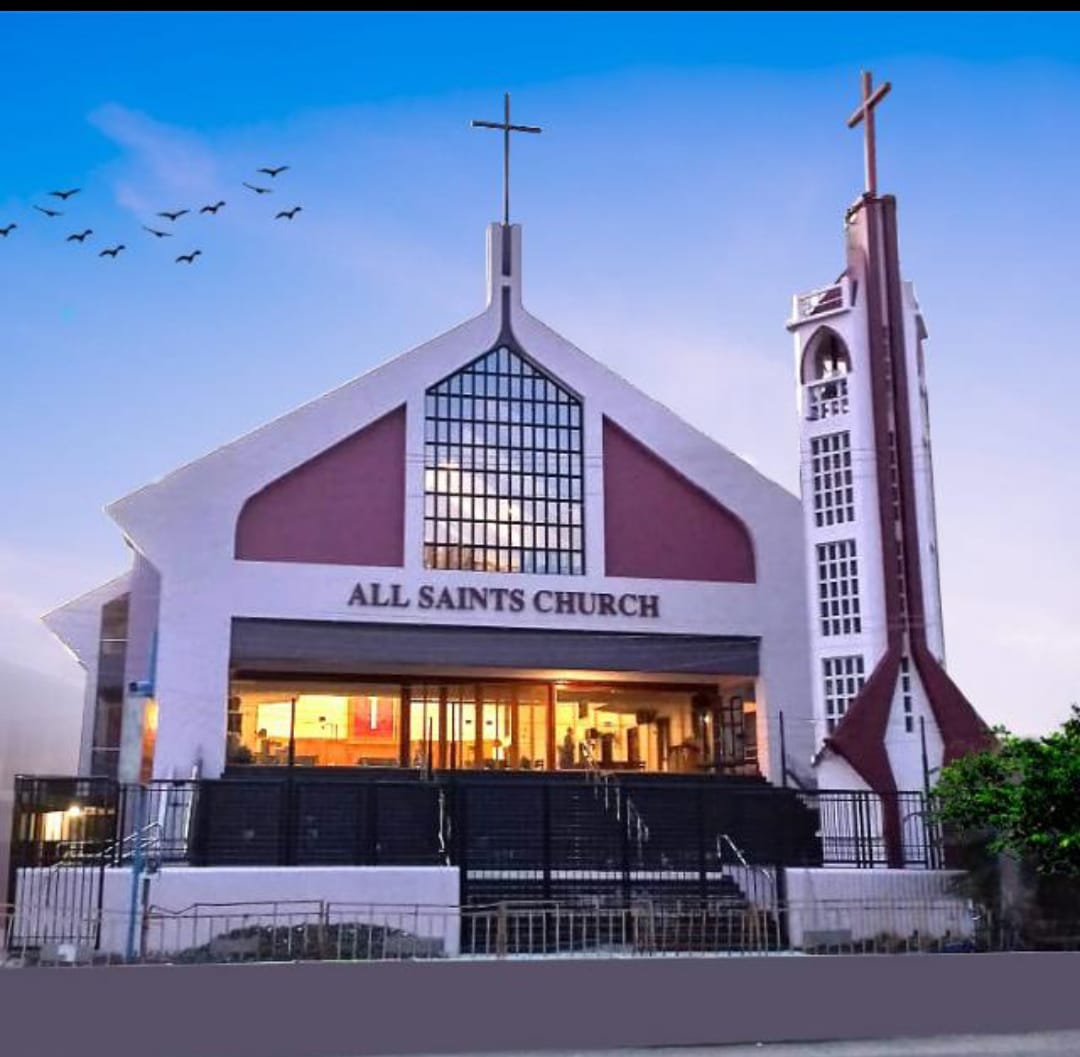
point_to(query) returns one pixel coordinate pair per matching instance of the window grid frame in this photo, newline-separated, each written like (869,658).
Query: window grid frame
(504,469)
(839,610)
(842,679)
(832,479)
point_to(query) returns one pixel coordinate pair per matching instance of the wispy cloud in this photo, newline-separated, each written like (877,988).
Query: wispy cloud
(161,161)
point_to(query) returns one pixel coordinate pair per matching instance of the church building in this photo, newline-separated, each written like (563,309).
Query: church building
(491,552)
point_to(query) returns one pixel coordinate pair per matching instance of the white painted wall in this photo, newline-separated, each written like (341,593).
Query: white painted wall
(850,325)
(904,747)
(867,903)
(77,624)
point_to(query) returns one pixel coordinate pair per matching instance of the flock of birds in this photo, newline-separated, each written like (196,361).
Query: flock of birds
(273,172)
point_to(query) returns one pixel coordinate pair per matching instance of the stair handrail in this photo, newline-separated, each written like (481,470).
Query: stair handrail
(609,782)
(445,832)
(756,868)
(150,839)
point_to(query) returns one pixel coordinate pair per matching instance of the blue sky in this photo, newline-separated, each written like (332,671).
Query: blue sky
(692,176)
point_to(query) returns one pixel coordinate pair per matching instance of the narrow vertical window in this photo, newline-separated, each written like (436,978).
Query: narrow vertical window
(905,695)
(843,679)
(833,481)
(838,588)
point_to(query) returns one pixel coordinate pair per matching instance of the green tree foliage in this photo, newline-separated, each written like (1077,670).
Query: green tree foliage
(1024,794)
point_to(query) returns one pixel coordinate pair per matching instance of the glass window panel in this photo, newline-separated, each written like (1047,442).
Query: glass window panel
(521,430)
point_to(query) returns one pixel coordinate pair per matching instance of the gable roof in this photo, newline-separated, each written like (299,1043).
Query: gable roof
(204,497)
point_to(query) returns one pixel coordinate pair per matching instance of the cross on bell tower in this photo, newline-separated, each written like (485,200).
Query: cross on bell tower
(506,128)
(865,113)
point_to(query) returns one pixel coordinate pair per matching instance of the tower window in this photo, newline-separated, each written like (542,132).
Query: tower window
(838,588)
(843,679)
(826,365)
(503,470)
(833,483)
(905,695)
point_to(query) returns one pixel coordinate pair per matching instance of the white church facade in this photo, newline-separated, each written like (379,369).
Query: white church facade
(491,552)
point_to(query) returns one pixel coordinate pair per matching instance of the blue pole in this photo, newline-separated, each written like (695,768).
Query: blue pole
(136,872)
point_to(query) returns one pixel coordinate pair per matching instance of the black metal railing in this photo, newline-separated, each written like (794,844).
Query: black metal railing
(537,825)
(852,828)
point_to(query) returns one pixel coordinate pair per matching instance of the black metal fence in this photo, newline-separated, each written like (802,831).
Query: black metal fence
(545,830)
(315,822)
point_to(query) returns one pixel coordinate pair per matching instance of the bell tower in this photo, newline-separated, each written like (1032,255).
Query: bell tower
(886,714)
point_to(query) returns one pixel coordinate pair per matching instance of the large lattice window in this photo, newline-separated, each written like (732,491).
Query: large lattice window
(833,485)
(503,474)
(838,588)
(844,678)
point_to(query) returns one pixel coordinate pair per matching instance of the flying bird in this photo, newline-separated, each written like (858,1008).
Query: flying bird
(174,216)
(273,172)
(189,258)
(112,252)
(65,195)
(80,238)
(212,209)
(257,190)
(49,212)
(7,231)
(160,234)
(289,213)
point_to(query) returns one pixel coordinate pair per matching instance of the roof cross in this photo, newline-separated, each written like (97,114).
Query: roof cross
(506,129)
(865,112)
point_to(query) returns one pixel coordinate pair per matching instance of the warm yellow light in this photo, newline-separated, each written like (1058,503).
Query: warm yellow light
(317,716)
(53,825)
(74,811)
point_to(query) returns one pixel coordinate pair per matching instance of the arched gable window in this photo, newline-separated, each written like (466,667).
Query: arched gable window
(825,356)
(826,363)
(503,470)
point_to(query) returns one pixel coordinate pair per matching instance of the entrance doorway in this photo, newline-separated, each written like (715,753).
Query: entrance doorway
(474,726)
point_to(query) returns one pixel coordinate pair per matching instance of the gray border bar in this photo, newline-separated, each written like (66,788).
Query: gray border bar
(350,1010)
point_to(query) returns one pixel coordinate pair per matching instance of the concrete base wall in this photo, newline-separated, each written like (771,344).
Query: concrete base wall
(331,1010)
(840,906)
(420,900)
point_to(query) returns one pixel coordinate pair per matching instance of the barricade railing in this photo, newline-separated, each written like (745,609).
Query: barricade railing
(336,931)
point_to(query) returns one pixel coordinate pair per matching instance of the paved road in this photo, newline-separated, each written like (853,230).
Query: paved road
(1042,1044)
